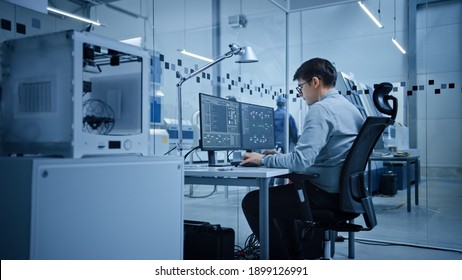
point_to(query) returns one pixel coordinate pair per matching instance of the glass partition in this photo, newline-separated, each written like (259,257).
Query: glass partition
(439,114)
(207,28)
(426,82)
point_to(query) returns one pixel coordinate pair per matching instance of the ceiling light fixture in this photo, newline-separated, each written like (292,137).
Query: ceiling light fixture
(366,10)
(398,45)
(185,52)
(64,13)
(394,32)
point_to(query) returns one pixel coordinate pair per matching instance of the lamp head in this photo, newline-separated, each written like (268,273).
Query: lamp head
(244,54)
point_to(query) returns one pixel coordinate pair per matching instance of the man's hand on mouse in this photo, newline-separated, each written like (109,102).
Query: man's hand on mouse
(270,152)
(252,157)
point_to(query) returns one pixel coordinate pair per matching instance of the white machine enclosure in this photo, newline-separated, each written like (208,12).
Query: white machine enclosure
(74,94)
(93,208)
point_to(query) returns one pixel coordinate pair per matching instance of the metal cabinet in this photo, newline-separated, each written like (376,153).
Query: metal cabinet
(123,207)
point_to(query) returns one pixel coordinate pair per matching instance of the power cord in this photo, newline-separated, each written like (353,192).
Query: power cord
(198,156)
(228,154)
(174,148)
(251,250)
(192,150)
(203,196)
(389,243)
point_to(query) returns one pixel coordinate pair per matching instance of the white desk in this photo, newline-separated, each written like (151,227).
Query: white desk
(241,176)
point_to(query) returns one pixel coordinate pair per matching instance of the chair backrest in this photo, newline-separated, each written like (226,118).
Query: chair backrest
(354,195)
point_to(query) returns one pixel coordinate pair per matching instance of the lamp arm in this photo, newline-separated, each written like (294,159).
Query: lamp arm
(203,68)
(184,79)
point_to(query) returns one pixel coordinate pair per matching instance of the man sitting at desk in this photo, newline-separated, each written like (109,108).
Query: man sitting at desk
(329,130)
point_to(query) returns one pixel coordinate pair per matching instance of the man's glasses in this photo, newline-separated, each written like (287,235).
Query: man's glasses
(299,88)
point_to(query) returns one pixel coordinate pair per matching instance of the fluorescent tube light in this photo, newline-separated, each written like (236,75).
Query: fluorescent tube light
(137,41)
(196,56)
(398,45)
(366,10)
(57,11)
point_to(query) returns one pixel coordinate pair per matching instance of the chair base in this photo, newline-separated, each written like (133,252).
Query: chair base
(330,234)
(329,244)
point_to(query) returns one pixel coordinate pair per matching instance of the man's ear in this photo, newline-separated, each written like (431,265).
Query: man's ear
(316,82)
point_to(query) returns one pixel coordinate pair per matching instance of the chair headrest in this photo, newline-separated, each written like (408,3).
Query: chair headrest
(381,97)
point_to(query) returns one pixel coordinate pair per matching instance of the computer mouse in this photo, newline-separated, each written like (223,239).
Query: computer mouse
(249,164)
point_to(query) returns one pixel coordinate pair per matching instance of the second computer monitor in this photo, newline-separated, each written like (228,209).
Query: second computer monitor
(257,130)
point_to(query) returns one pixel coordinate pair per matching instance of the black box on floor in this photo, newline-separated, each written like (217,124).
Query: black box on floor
(203,241)
(388,183)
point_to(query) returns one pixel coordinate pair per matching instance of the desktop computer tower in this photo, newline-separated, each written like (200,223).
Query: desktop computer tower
(74,94)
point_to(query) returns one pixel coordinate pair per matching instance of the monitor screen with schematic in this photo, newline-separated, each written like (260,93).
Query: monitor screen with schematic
(227,125)
(220,125)
(257,127)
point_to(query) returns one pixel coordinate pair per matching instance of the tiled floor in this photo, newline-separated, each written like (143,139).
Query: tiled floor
(436,222)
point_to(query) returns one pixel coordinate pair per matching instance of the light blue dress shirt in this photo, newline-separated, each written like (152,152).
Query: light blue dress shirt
(329,130)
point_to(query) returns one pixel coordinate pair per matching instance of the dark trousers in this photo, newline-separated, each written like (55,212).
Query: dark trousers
(286,205)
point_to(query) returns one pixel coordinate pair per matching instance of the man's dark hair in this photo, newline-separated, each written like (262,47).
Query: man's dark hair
(317,67)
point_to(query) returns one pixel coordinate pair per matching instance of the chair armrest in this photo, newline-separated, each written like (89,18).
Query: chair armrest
(301,177)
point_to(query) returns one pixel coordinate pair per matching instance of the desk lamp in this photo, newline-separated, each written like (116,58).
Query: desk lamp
(244,55)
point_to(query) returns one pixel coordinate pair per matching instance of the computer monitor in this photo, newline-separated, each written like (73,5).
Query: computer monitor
(257,127)
(220,123)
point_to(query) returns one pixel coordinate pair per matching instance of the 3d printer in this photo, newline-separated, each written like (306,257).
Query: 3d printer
(74,94)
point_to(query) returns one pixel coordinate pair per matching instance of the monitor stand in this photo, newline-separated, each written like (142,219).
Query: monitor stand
(213,161)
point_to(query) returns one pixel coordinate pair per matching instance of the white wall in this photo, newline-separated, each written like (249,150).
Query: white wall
(346,36)
(47,23)
(265,32)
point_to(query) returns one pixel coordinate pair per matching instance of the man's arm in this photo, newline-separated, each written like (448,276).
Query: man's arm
(315,135)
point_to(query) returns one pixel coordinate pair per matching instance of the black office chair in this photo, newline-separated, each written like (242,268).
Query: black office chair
(355,198)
